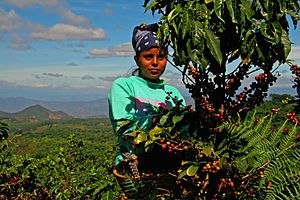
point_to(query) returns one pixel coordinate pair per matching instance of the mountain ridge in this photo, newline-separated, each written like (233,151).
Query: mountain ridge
(79,109)
(36,112)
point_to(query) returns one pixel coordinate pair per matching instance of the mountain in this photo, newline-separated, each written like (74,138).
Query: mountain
(81,109)
(35,112)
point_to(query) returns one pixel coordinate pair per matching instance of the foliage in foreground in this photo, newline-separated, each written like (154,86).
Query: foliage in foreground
(70,174)
(243,159)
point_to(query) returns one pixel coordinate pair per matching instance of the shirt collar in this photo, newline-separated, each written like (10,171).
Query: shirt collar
(152,85)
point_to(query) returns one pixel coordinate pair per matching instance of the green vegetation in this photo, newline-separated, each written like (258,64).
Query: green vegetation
(35,112)
(57,159)
(219,150)
(73,158)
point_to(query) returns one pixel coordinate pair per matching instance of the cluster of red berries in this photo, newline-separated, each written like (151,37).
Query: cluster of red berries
(275,110)
(14,180)
(234,80)
(293,118)
(250,97)
(209,114)
(264,78)
(232,85)
(193,71)
(224,184)
(173,146)
(212,167)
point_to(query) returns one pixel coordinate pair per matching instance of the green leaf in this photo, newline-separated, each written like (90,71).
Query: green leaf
(108,195)
(207,150)
(182,174)
(194,56)
(213,43)
(246,10)
(198,34)
(177,118)
(246,46)
(155,131)
(165,29)
(264,29)
(287,45)
(175,27)
(153,4)
(174,13)
(163,119)
(141,137)
(231,11)
(218,9)
(135,133)
(192,170)
(277,31)
(185,23)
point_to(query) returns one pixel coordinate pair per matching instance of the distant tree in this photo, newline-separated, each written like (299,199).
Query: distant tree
(282,97)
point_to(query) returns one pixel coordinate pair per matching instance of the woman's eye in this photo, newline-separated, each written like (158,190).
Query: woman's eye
(161,56)
(148,57)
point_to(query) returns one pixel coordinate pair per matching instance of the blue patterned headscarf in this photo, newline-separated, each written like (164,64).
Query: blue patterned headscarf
(144,37)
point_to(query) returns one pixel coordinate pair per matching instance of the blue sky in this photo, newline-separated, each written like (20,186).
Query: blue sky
(73,49)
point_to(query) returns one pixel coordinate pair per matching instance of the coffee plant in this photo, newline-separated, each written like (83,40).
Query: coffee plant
(219,149)
(218,45)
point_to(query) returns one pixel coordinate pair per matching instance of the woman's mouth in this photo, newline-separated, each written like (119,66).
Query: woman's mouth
(154,70)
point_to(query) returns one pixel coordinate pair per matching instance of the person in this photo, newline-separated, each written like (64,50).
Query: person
(133,101)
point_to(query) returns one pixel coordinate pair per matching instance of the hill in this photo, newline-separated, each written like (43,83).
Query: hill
(80,109)
(37,112)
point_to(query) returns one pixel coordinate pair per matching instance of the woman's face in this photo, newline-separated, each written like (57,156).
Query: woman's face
(151,63)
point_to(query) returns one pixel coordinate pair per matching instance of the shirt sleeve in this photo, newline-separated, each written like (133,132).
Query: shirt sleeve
(121,114)
(121,106)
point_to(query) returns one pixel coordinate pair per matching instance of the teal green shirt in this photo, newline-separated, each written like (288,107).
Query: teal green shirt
(136,99)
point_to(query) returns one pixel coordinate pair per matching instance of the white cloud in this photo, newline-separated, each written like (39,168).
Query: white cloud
(71,18)
(70,32)
(122,50)
(25,3)
(9,20)
(295,53)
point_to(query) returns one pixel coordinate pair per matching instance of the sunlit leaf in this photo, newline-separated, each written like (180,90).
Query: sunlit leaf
(155,131)
(207,150)
(182,174)
(141,137)
(192,170)
(153,4)
(174,25)
(218,9)
(174,13)
(207,1)
(265,29)
(163,119)
(231,11)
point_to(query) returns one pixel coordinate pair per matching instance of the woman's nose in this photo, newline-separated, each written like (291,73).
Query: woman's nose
(154,64)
